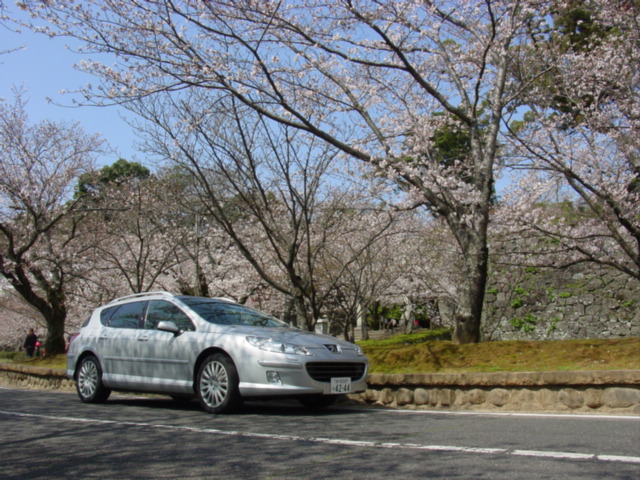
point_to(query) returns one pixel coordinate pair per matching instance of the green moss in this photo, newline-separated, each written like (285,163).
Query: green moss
(553,325)
(402,340)
(527,324)
(519,290)
(551,294)
(517,303)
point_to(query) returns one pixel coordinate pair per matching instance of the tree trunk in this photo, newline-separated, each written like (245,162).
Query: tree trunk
(55,315)
(348,331)
(52,306)
(55,342)
(469,315)
(362,321)
(302,319)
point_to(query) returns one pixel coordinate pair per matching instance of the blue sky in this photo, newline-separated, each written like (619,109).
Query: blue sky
(44,66)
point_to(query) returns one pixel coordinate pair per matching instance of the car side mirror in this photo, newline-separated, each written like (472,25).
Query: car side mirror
(169,326)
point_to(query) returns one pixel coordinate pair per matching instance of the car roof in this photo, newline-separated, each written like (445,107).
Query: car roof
(165,295)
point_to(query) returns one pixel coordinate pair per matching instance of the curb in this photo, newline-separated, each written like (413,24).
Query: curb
(610,392)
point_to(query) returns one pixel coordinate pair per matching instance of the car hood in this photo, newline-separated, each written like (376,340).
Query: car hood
(289,335)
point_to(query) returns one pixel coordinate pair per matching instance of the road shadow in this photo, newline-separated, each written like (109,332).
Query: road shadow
(275,407)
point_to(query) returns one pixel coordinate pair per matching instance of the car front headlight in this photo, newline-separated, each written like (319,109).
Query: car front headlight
(359,351)
(271,345)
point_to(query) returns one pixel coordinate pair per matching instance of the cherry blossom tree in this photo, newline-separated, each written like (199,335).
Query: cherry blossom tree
(17,318)
(39,222)
(135,242)
(376,257)
(269,187)
(207,263)
(578,145)
(374,79)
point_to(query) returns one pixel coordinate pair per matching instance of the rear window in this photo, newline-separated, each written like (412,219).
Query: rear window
(127,315)
(221,313)
(106,313)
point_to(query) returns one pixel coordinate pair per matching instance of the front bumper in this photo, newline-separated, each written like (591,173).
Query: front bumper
(295,379)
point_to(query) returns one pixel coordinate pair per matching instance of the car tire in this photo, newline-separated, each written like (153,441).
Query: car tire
(89,381)
(318,401)
(217,384)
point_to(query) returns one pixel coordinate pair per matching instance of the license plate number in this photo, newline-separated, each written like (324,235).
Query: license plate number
(341,385)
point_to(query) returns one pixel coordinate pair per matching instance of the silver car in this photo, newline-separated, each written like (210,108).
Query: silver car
(211,348)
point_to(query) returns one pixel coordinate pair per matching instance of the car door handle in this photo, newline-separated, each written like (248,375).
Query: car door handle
(143,339)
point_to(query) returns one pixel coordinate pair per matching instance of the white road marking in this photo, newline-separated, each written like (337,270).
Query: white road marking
(342,442)
(618,458)
(560,455)
(581,416)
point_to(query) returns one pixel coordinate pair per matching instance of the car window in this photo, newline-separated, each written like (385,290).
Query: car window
(221,313)
(160,311)
(128,315)
(106,313)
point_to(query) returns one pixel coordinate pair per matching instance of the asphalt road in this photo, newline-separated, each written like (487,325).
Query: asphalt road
(46,435)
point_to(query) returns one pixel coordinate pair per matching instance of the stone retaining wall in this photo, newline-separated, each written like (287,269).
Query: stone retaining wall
(35,377)
(584,301)
(601,392)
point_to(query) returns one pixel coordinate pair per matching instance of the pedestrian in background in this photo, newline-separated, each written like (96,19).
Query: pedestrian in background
(30,343)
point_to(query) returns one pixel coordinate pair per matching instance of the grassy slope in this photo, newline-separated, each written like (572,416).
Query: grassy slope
(420,353)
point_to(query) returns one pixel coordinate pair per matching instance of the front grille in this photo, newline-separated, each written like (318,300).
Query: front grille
(325,371)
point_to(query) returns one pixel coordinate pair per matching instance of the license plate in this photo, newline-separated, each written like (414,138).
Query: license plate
(340,385)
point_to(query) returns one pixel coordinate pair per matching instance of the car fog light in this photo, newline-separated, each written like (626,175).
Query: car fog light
(273,377)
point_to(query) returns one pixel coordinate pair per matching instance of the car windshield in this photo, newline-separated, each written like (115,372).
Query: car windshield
(221,313)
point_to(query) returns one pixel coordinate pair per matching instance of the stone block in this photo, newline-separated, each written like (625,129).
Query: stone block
(446,397)
(593,285)
(587,299)
(571,398)
(526,399)
(626,295)
(499,397)
(593,398)
(404,396)
(386,396)
(610,304)
(619,397)
(526,396)
(477,396)
(421,396)
(461,397)
(372,395)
